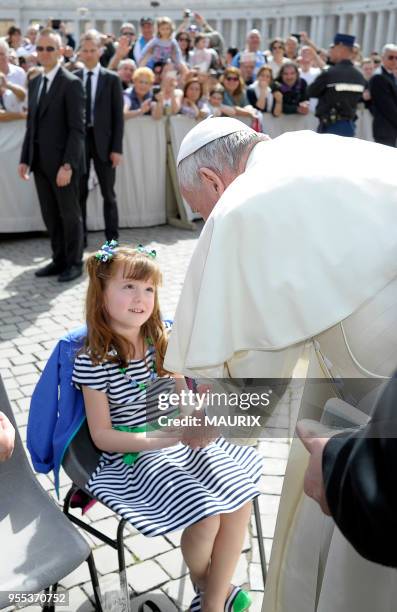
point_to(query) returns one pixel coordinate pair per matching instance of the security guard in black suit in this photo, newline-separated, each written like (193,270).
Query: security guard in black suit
(338,88)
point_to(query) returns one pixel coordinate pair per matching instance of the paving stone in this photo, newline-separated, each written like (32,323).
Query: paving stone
(78,602)
(146,548)
(172,562)
(145,576)
(255,557)
(268,523)
(79,575)
(271,484)
(257,601)
(180,591)
(21,359)
(174,537)
(106,560)
(255,577)
(274,467)
(268,504)
(272,449)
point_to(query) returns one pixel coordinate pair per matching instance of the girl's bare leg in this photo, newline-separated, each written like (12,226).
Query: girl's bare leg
(224,558)
(197,544)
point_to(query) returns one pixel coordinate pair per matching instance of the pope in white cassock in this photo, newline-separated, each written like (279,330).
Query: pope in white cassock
(299,249)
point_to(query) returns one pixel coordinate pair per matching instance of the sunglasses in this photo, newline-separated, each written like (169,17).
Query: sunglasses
(277,47)
(391,57)
(232,78)
(184,39)
(127,33)
(48,49)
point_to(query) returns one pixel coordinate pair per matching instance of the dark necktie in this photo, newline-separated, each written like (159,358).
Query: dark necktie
(88,91)
(42,93)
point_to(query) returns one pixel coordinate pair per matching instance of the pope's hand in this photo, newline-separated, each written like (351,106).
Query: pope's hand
(310,434)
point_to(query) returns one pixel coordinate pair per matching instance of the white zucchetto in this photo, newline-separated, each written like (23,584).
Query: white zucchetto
(208,130)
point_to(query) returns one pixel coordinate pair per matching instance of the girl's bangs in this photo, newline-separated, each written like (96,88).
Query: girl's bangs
(140,268)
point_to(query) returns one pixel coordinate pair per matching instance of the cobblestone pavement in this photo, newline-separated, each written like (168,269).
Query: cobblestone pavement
(34,313)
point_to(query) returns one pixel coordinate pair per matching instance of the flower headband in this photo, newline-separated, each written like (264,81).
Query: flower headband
(141,249)
(107,250)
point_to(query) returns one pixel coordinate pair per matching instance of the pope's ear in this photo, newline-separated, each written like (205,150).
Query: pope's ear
(211,180)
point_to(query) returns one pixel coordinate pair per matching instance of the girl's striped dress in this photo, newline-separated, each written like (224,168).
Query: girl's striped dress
(167,489)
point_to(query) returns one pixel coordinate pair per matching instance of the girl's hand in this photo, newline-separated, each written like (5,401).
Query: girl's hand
(278,96)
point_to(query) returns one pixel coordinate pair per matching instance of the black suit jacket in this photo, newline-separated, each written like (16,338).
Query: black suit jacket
(108,113)
(360,478)
(59,127)
(383,90)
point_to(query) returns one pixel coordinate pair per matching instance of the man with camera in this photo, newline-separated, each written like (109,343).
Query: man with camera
(339,90)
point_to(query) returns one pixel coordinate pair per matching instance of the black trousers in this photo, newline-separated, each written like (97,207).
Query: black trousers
(391,141)
(106,176)
(61,212)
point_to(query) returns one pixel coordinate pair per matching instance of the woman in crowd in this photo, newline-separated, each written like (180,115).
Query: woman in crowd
(293,90)
(138,99)
(260,94)
(194,104)
(235,95)
(14,38)
(277,58)
(183,40)
(168,100)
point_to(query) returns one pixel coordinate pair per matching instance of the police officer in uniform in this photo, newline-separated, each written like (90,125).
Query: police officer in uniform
(338,88)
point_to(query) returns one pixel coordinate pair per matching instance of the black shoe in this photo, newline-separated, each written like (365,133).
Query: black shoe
(70,274)
(51,269)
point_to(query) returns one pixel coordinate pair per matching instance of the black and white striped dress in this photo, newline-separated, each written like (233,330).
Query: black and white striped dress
(167,489)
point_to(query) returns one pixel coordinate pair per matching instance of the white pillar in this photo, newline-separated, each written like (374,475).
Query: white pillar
(342,25)
(294,24)
(264,31)
(219,25)
(380,34)
(278,27)
(108,26)
(391,28)
(233,33)
(320,30)
(355,24)
(313,29)
(249,25)
(286,27)
(368,27)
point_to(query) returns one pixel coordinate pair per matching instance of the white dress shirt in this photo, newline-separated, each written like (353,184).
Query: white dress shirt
(50,76)
(94,85)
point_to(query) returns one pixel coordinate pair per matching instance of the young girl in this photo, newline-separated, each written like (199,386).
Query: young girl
(163,482)
(163,47)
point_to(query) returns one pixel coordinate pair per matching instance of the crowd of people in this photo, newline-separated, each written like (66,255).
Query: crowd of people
(81,95)
(190,71)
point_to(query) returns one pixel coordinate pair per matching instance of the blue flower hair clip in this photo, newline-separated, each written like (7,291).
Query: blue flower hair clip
(141,249)
(106,251)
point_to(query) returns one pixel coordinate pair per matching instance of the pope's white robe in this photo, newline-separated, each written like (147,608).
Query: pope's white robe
(303,239)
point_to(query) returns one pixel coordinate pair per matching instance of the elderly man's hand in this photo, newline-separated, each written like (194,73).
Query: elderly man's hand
(7,438)
(309,432)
